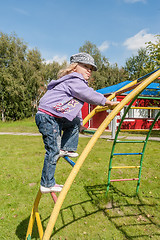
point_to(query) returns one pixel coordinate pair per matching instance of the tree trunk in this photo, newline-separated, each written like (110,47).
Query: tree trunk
(3,116)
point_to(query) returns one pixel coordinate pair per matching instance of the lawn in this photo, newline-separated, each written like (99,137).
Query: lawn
(86,214)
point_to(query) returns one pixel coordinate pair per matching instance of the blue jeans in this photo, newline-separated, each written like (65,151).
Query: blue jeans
(51,129)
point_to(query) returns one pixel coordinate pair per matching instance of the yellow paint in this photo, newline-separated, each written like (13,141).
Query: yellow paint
(39,225)
(33,215)
(125,167)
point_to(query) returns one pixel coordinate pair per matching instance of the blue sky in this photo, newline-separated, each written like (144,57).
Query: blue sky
(57,28)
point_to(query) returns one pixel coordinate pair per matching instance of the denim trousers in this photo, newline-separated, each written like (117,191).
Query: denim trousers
(57,133)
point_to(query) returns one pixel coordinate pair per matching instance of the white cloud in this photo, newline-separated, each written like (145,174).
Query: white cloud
(139,40)
(57,58)
(103,46)
(134,1)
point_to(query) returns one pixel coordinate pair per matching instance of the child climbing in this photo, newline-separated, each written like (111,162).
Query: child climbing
(60,110)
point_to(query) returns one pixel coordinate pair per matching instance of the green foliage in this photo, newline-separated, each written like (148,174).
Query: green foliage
(20,76)
(146,60)
(51,70)
(138,65)
(154,51)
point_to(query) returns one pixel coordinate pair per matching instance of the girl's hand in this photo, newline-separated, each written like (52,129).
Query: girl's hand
(82,128)
(111,105)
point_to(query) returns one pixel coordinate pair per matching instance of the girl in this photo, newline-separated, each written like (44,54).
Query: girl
(60,109)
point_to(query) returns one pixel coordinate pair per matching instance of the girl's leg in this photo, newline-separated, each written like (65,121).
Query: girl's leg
(50,130)
(70,135)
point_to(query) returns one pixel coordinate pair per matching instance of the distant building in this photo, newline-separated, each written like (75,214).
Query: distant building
(135,118)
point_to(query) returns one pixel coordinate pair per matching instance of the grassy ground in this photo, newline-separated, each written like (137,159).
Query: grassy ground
(86,213)
(27,125)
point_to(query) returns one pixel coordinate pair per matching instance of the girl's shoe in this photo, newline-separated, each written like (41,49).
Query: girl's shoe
(71,154)
(55,188)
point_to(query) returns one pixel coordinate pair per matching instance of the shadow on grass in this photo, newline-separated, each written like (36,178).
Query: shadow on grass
(22,230)
(133,216)
(84,210)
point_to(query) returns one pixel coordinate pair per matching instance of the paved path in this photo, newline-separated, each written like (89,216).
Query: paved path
(124,137)
(17,133)
(108,137)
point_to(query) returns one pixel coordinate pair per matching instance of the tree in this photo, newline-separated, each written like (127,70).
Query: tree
(146,61)
(33,79)
(51,70)
(11,61)
(20,76)
(139,65)
(154,51)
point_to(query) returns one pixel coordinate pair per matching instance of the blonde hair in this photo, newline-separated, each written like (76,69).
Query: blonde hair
(67,70)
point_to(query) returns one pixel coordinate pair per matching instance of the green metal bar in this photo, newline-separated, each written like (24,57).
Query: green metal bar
(154,98)
(89,131)
(144,147)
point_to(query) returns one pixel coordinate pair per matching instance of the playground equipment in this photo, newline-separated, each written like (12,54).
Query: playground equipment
(141,154)
(138,86)
(35,214)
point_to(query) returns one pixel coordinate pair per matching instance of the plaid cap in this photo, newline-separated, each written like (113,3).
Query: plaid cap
(83,58)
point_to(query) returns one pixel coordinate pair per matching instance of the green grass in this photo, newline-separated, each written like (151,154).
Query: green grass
(86,213)
(27,125)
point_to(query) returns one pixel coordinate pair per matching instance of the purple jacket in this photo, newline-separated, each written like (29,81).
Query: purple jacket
(65,97)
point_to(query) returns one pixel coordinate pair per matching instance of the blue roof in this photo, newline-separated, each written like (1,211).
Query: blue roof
(152,90)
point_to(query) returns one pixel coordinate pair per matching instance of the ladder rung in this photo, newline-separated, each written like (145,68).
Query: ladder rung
(145,107)
(89,131)
(127,154)
(125,167)
(134,130)
(125,179)
(69,161)
(118,141)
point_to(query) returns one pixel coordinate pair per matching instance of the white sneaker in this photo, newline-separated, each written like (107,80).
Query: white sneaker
(62,153)
(69,154)
(55,188)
